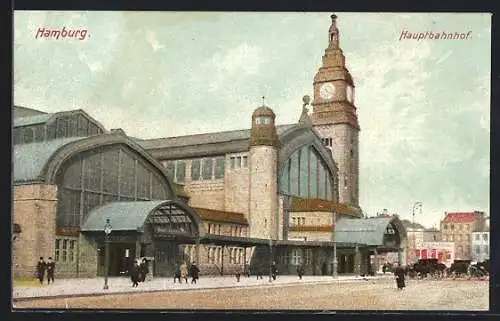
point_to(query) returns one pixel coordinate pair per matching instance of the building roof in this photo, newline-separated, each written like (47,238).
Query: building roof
(317,205)
(461,217)
(123,216)
(20,111)
(32,120)
(220,216)
(30,159)
(130,216)
(198,145)
(311,228)
(368,231)
(263,111)
(206,138)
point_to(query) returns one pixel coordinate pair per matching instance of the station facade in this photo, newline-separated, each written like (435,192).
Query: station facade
(228,201)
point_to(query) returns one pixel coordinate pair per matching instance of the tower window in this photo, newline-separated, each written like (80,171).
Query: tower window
(263,120)
(327,142)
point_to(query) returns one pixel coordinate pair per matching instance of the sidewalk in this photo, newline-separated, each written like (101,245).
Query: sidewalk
(94,286)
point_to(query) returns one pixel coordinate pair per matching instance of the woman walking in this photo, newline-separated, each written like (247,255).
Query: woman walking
(400,277)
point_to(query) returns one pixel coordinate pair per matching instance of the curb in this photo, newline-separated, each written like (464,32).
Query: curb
(128,292)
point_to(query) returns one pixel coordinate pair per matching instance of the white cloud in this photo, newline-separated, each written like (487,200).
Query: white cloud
(239,61)
(94,66)
(391,107)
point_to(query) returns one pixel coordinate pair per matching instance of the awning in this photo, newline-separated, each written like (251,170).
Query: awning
(131,216)
(369,231)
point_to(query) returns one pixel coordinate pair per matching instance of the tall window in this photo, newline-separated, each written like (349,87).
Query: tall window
(180,171)
(195,169)
(306,175)
(207,168)
(240,161)
(219,167)
(296,256)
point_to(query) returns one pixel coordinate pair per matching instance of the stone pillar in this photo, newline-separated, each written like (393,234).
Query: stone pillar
(222,261)
(357,260)
(197,250)
(137,249)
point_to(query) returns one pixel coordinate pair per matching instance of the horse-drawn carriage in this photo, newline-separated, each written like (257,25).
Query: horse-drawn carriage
(426,267)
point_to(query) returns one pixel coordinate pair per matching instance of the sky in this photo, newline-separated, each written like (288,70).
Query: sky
(423,105)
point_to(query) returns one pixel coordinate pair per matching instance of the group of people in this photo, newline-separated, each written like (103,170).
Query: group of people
(139,271)
(182,272)
(43,267)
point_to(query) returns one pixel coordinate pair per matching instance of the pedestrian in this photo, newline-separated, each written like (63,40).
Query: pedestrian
(40,269)
(399,272)
(177,273)
(274,271)
(184,272)
(238,275)
(134,274)
(194,271)
(259,273)
(144,269)
(51,267)
(300,271)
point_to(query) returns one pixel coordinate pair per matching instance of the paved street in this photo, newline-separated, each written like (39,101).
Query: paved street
(94,286)
(317,293)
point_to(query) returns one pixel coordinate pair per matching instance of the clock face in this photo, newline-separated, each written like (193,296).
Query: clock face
(327,90)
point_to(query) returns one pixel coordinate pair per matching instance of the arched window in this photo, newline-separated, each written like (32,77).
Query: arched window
(103,175)
(306,175)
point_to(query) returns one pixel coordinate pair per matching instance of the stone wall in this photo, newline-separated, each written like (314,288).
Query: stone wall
(344,139)
(263,218)
(237,188)
(88,257)
(207,194)
(34,209)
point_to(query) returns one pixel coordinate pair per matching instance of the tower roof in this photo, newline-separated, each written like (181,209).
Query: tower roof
(263,111)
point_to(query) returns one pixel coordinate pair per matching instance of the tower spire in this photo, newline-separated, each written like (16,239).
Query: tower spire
(333,33)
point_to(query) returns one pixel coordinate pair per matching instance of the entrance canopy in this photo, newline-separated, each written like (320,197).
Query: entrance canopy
(165,217)
(387,232)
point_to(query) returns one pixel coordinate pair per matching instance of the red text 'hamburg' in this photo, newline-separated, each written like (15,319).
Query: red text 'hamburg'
(80,34)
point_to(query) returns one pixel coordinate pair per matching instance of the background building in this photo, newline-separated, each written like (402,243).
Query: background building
(458,228)
(481,243)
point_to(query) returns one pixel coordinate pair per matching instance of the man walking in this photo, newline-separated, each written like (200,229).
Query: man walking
(51,267)
(274,271)
(400,277)
(40,269)
(300,271)
(194,271)
(177,273)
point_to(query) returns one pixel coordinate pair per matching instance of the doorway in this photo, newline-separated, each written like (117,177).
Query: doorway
(121,256)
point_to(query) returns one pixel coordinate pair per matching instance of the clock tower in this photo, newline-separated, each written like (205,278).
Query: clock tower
(334,115)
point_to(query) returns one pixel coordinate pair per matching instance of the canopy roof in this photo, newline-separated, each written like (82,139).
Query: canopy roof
(131,216)
(369,231)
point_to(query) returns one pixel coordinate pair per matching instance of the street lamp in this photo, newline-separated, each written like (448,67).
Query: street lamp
(335,262)
(415,206)
(107,231)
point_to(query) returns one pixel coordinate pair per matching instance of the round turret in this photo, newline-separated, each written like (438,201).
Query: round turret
(263,128)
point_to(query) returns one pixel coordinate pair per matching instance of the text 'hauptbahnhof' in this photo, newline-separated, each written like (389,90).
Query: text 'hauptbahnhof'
(228,201)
